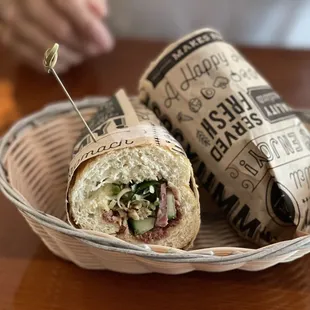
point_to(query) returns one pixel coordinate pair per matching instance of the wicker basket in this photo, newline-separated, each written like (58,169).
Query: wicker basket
(35,154)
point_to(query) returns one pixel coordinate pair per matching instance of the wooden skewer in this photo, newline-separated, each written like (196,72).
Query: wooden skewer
(49,62)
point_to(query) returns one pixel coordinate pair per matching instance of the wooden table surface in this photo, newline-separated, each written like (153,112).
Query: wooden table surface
(33,278)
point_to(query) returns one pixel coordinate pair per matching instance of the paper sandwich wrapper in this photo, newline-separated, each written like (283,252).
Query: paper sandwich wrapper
(116,125)
(249,149)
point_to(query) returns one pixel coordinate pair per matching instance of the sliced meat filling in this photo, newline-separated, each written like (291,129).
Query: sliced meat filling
(145,209)
(162,212)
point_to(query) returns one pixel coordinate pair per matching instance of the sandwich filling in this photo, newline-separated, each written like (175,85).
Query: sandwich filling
(145,209)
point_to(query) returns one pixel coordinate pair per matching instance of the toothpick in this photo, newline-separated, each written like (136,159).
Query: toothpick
(49,62)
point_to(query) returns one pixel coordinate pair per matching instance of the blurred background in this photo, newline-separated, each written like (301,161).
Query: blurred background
(88,28)
(283,23)
(99,40)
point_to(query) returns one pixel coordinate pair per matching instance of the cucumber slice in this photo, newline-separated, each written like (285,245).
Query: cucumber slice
(141,226)
(172,213)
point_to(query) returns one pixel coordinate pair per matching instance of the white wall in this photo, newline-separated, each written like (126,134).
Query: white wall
(284,23)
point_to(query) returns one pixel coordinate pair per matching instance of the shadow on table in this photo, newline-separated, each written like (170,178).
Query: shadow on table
(56,284)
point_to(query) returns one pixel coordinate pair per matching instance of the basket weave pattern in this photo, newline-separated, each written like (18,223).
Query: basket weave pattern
(35,156)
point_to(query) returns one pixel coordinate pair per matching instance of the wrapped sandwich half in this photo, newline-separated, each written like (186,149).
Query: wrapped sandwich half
(135,182)
(249,149)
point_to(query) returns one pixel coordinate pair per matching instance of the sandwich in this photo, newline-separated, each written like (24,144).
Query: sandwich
(249,149)
(135,182)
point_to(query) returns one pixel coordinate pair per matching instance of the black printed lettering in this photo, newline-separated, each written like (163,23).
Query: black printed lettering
(86,155)
(201,171)
(212,63)
(192,156)
(198,71)
(113,145)
(261,160)
(171,95)
(240,130)
(226,204)
(254,117)
(215,61)
(251,169)
(247,122)
(207,65)
(241,219)
(222,146)
(223,58)
(209,182)
(235,104)
(267,236)
(230,137)
(245,102)
(226,111)
(208,128)
(188,77)
(101,148)
(221,123)
(216,154)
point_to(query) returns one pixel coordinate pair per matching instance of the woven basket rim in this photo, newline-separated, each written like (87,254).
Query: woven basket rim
(237,254)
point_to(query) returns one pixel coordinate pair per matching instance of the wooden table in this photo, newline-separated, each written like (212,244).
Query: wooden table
(33,278)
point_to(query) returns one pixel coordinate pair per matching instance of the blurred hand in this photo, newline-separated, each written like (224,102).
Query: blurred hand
(29,27)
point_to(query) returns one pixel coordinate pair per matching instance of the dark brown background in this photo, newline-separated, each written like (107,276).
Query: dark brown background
(33,278)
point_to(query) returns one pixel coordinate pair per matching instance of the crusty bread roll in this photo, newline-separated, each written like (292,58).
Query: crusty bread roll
(91,196)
